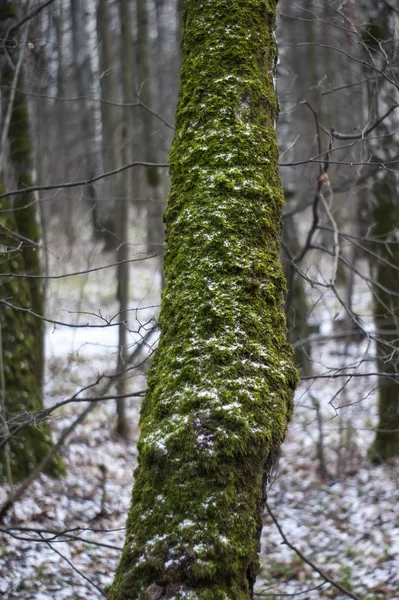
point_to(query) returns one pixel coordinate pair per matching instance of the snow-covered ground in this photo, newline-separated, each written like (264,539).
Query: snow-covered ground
(62,540)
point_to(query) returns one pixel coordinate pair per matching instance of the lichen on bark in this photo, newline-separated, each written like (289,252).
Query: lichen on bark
(220,389)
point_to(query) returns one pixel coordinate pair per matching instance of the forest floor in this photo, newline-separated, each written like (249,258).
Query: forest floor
(63,538)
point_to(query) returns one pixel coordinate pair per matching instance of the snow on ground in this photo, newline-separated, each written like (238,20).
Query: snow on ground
(62,540)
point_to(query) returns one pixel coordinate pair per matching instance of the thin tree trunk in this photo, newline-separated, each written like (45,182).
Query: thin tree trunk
(123,208)
(220,389)
(297,310)
(155,206)
(83,77)
(62,148)
(109,88)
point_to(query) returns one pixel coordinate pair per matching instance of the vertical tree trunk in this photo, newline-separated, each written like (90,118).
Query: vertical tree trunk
(382,38)
(60,162)
(128,185)
(22,333)
(296,306)
(220,390)
(155,206)
(83,78)
(109,88)
(386,314)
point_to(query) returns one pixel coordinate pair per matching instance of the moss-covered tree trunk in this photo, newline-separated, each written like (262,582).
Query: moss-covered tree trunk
(22,333)
(381,36)
(220,390)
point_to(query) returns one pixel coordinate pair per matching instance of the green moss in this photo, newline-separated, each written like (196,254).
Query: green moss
(220,390)
(8,10)
(373,34)
(26,217)
(153,177)
(20,347)
(22,333)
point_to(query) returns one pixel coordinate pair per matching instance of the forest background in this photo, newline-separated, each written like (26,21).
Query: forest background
(88,92)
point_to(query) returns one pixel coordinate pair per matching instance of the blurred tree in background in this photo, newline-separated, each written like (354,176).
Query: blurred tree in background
(22,333)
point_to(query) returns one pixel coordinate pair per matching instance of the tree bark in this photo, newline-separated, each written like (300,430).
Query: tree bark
(22,333)
(381,34)
(155,206)
(220,389)
(128,185)
(84,78)
(386,314)
(109,124)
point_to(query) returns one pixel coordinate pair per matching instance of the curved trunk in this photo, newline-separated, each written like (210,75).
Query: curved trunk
(220,389)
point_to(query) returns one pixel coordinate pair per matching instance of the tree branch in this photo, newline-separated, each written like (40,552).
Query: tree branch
(306,560)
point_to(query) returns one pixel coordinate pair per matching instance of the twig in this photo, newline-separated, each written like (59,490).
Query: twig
(306,560)
(138,104)
(324,472)
(74,273)
(43,464)
(369,129)
(83,182)
(19,492)
(44,413)
(30,16)
(68,535)
(77,570)
(350,375)
(335,238)
(3,421)
(54,322)
(266,593)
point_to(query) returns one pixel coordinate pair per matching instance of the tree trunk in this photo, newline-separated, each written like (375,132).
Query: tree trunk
(296,306)
(220,389)
(109,123)
(62,149)
(122,230)
(386,314)
(83,78)
(22,333)
(155,207)
(381,38)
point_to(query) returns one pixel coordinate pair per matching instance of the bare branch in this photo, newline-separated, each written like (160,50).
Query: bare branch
(306,560)
(82,183)
(30,16)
